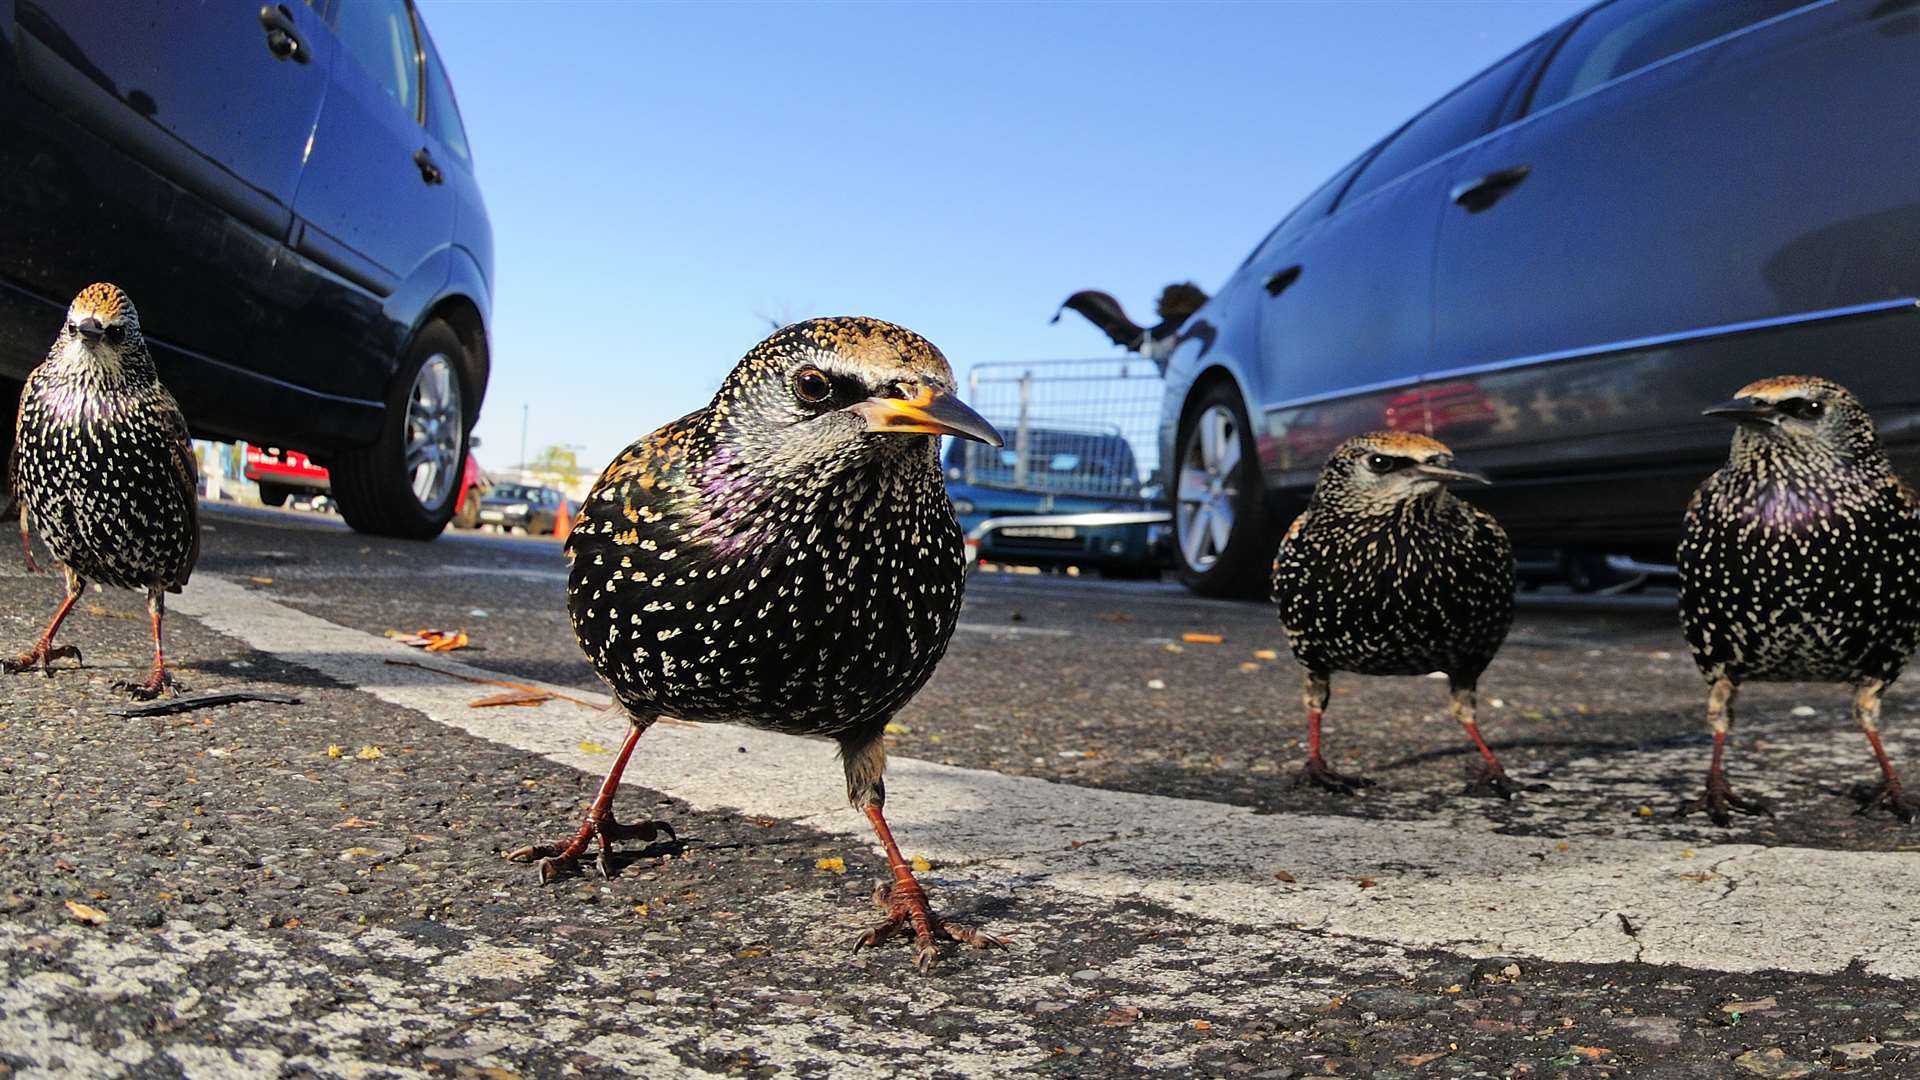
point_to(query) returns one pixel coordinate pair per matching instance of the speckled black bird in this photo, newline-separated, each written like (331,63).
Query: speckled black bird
(1387,573)
(785,558)
(1801,562)
(104,470)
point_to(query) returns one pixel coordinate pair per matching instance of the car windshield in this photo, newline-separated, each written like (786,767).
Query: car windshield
(1055,461)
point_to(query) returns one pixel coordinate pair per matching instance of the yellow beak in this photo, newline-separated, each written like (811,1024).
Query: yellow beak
(927,412)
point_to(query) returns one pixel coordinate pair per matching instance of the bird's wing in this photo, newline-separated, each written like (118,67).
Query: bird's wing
(1904,492)
(1103,311)
(185,476)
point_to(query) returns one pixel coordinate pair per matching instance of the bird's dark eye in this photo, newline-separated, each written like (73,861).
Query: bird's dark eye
(116,334)
(1381,463)
(1803,408)
(812,386)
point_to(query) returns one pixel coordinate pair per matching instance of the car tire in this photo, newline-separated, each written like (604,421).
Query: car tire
(274,494)
(1216,489)
(407,482)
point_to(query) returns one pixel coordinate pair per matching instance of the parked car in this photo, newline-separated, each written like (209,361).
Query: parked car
(1066,472)
(287,193)
(281,475)
(1556,266)
(527,507)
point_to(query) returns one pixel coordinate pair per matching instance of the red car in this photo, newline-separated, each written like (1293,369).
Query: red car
(284,473)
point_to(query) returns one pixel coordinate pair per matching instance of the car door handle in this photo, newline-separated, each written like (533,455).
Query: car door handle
(1281,280)
(429,171)
(283,41)
(1476,195)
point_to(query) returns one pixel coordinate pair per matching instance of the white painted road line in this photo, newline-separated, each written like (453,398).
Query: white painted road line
(1722,907)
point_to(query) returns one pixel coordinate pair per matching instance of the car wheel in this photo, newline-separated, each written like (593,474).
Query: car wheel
(405,484)
(1223,542)
(274,494)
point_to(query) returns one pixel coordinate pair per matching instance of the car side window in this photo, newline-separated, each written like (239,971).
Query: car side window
(443,112)
(378,34)
(1458,118)
(1627,35)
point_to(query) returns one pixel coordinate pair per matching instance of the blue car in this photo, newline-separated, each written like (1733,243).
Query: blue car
(287,193)
(1051,471)
(1553,268)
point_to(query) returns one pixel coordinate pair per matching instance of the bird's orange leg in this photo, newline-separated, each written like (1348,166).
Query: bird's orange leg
(905,903)
(600,823)
(1720,800)
(1887,793)
(161,681)
(1315,773)
(44,651)
(1493,778)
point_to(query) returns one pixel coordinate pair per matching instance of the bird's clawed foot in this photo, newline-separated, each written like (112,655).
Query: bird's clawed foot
(1720,801)
(1885,794)
(1492,783)
(42,656)
(554,859)
(1316,774)
(906,906)
(160,682)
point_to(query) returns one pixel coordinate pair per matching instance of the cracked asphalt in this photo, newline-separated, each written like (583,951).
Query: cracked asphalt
(263,889)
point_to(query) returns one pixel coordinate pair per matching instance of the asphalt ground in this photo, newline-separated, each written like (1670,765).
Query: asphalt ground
(318,889)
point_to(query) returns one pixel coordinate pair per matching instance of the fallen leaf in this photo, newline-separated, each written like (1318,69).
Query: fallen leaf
(588,746)
(1171,647)
(360,853)
(333,750)
(261,580)
(1265,654)
(86,913)
(1202,639)
(1593,1053)
(1282,875)
(1765,1004)
(512,697)
(449,642)
(1645,811)
(834,865)
(1121,1017)
(356,823)
(896,729)
(369,753)
(1416,1060)
(1248,665)
(921,865)
(1367,883)
(1202,1025)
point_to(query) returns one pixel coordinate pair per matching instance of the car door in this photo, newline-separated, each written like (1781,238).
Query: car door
(214,103)
(373,201)
(373,210)
(1346,318)
(1701,193)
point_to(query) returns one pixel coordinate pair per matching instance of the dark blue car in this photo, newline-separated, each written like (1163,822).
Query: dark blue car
(287,193)
(1557,265)
(1050,471)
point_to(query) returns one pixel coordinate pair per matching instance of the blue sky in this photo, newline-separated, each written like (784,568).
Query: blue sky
(663,177)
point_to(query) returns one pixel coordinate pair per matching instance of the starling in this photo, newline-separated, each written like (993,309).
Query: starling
(104,471)
(785,558)
(1387,573)
(1800,561)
